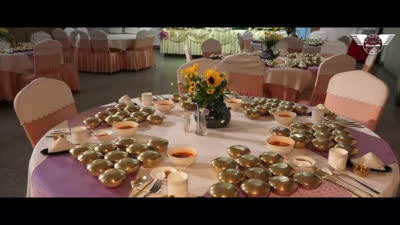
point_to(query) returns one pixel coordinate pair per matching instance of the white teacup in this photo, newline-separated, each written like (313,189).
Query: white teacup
(178,184)
(79,135)
(337,158)
(147,98)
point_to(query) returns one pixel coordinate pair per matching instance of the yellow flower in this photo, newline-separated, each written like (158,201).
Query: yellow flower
(212,78)
(210,91)
(192,83)
(192,89)
(190,71)
(222,75)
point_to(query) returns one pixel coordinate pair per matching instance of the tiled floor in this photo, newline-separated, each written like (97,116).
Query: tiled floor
(98,89)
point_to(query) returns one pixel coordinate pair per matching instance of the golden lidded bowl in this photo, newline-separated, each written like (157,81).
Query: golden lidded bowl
(272,105)
(255,188)
(130,119)
(321,127)
(113,110)
(322,144)
(286,103)
(285,108)
(264,110)
(323,134)
(92,122)
(106,147)
(77,150)
(116,155)
(345,139)
(89,156)
(155,118)
(275,100)
(139,116)
(110,120)
(158,144)
(175,97)
(149,110)
(336,126)
(300,140)
(224,190)
(187,105)
(252,113)
(222,163)
(235,151)
(184,99)
(331,115)
(248,161)
(149,158)
(121,106)
(112,177)
(283,185)
(306,132)
(298,126)
(232,176)
(132,108)
(99,166)
(300,109)
(341,132)
(103,115)
(270,158)
(123,114)
(281,169)
(257,173)
(123,143)
(307,180)
(280,131)
(246,104)
(129,165)
(261,101)
(135,149)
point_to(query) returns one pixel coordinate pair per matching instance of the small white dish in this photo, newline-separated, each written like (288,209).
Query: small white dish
(182,161)
(125,128)
(282,150)
(162,173)
(303,162)
(285,118)
(164,106)
(234,103)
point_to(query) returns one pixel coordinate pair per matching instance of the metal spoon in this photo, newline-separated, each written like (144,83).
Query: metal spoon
(138,182)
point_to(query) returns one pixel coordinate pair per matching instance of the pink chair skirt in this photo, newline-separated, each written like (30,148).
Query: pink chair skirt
(69,74)
(8,85)
(244,84)
(108,62)
(280,92)
(139,58)
(86,61)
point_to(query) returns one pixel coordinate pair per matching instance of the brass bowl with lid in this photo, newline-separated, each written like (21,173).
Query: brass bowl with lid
(175,97)
(261,101)
(116,155)
(92,122)
(323,134)
(106,147)
(252,113)
(285,108)
(139,116)
(121,106)
(273,110)
(331,115)
(132,108)
(271,105)
(129,165)
(123,114)
(274,100)
(149,110)
(255,188)
(281,169)
(149,158)
(346,140)
(270,158)
(283,185)
(322,144)
(155,118)
(300,140)
(280,131)
(257,173)
(300,109)
(77,150)
(298,126)
(263,110)
(158,144)
(112,177)
(248,161)
(341,132)
(246,104)
(188,106)
(113,110)
(103,115)
(98,166)
(224,190)
(123,143)
(135,149)
(320,127)
(306,132)
(110,120)
(89,156)
(222,163)
(232,176)
(286,103)
(184,99)
(307,180)
(336,126)
(235,151)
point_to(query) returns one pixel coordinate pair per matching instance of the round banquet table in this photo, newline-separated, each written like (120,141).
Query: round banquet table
(121,41)
(63,176)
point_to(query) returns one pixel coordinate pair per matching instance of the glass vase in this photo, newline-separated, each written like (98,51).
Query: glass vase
(201,122)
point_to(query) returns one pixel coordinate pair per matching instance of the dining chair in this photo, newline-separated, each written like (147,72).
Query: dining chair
(85,56)
(318,34)
(47,57)
(247,38)
(290,45)
(346,40)
(211,46)
(245,74)
(330,48)
(105,60)
(69,71)
(357,95)
(43,104)
(188,54)
(40,36)
(62,36)
(131,30)
(69,30)
(204,64)
(115,30)
(83,29)
(141,54)
(327,69)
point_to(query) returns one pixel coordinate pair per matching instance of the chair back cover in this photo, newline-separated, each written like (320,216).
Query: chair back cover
(69,30)
(247,37)
(40,36)
(290,44)
(319,35)
(346,40)
(47,58)
(62,36)
(98,41)
(245,73)
(43,104)
(115,30)
(357,95)
(188,55)
(330,48)
(75,56)
(211,46)
(131,30)
(83,29)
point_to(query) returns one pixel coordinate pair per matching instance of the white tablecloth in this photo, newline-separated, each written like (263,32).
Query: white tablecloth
(18,63)
(240,131)
(121,41)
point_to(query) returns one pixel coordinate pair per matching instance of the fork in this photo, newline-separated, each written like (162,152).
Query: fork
(155,188)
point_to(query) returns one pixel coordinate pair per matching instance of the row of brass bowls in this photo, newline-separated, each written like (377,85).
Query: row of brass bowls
(235,151)
(116,155)
(158,144)
(75,151)
(149,158)
(283,185)
(280,131)
(155,118)
(257,173)
(99,166)
(307,180)
(224,190)
(123,143)
(248,161)
(221,163)
(92,122)
(255,188)
(232,176)
(106,147)
(281,169)
(129,165)
(89,156)
(112,177)
(270,158)
(135,149)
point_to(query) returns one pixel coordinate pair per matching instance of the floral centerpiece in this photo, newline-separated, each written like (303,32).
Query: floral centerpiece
(207,92)
(270,40)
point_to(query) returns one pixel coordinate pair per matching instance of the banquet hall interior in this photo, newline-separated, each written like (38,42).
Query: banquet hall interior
(144,95)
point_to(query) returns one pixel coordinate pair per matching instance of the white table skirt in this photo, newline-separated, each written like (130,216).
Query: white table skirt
(240,131)
(121,41)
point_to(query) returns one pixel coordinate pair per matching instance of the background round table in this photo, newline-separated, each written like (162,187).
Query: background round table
(121,41)
(64,176)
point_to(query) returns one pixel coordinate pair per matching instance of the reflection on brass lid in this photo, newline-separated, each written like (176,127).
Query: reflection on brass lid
(263,110)
(106,147)
(280,131)
(286,103)
(282,185)
(346,140)
(232,176)
(98,166)
(300,109)
(135,149)
(79,150)
(125,142)
(222,163)
(298,125)
(113,119)
(323,134)
(155,118)
(149,158)
(128,165)
(123,114)
(307,132)
(121,106)
(103,115)
(255,188)
(116,155)
(132,108)
(320,127)
(252,113)
(281,169)
(224,190)
(188,106)
(158,144)
(112,177)
(148,109)
(257,173)
(336,126)
(269,158)
(131,119)
(89,156)
(341,132)
(322,144)
(235,151)
(285,108)
(113,110)
(92,122)
(139,116)
(248,161)
(300,140)
(307,180)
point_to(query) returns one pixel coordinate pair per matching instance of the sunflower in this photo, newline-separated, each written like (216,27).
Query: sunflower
(190,71)
(192,89)
(192,83)
(222,75)
(210,91)
(213,78)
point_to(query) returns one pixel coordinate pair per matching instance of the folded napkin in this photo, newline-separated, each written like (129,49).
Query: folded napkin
(61,144)
(126,100)
(370,160)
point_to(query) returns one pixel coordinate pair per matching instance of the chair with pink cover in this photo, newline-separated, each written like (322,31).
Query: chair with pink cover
(69,71)
(211,46)
(290,45)
(40,36)
(247,38)
(357,95)
(327,69)
(47,62)
(141,55)
(105,61)
(62,36)
(85,56)
(188,54)
(204,64)
(245,74)
(43,104)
